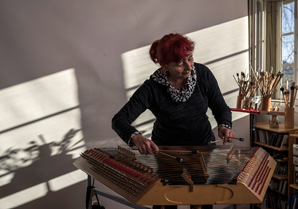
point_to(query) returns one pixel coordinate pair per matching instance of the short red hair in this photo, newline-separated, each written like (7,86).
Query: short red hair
(173,47)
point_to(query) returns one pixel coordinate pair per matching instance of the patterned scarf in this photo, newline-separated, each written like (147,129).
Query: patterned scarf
(178,95)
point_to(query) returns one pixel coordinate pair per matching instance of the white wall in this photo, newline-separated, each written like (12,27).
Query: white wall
(62,78)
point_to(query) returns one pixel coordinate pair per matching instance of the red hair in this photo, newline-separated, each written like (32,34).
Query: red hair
(173,47)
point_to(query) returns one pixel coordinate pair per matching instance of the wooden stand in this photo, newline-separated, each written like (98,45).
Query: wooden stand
(239,99)
(289,117)
(265,103)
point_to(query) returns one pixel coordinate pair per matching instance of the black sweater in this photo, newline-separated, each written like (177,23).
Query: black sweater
(177,123)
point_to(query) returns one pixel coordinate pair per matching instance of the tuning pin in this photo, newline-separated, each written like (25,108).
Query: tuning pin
(282,89)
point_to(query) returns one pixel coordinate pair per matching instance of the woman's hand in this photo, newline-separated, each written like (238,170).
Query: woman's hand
(225,133)
(144,145)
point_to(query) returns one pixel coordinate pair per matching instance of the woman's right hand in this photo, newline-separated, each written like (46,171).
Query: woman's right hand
(144,145)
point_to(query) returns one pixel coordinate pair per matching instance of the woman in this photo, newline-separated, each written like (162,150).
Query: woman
(178,94)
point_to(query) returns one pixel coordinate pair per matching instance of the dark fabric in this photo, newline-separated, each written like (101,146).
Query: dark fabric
(177,123)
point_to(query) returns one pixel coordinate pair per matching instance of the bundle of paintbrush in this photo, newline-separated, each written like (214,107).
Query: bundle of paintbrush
(268,83)
(241,82)
(289,95)
(248,85)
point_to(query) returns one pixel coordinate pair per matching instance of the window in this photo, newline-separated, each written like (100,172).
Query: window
(279,42)
(286,39)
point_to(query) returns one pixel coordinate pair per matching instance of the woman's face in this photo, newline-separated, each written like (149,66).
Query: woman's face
(179,70)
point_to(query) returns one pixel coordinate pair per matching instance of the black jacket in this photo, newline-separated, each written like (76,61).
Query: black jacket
(177,123)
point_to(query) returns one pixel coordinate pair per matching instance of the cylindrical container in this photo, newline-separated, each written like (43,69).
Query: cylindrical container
(245,103)
(239,99)
(289,117)
(273,121)
(265,103)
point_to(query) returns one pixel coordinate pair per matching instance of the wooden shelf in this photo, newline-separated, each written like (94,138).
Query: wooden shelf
(271,147)
(259,112)
(246,111)
(280,129)
(279,177)
(294,135)
(282,160)
(280,192)
(272,113)
(294,186)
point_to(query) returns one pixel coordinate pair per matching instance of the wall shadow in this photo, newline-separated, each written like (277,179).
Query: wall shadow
(40,38)
(43,166)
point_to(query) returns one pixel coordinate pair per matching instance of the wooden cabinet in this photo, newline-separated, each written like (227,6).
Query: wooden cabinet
(278,142)
(293,139)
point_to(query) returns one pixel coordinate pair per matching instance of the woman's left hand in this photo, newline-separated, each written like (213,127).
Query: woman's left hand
(226,134)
